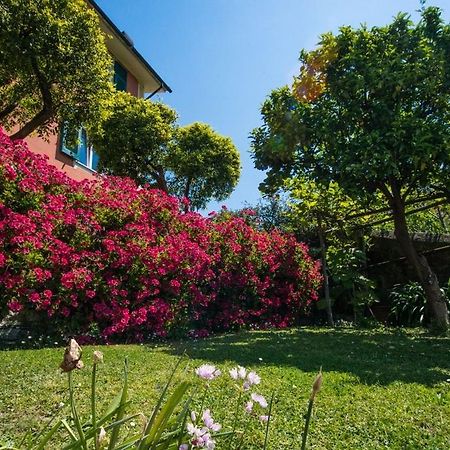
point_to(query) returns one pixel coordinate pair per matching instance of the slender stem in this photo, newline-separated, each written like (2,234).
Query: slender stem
(205,392)
(75,413)
(93,401)
(269,416)
(235,419)
(307,420)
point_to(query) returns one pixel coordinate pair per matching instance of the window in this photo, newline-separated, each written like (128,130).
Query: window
(120,77)
(83,153)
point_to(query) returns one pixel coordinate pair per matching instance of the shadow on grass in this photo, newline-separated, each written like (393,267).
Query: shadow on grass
(374,356)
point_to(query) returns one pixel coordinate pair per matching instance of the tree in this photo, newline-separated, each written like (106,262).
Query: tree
(370,111)
(140,139)
(320,209)
(54,66)
(204,165)
(133,139)
(337,221)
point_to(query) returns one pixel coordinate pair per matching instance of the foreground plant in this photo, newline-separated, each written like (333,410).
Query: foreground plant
(173,424)
(314,391)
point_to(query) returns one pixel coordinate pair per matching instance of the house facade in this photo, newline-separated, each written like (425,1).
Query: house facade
(132,73)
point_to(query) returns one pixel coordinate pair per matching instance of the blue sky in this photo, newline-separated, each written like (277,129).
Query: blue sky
(223,57)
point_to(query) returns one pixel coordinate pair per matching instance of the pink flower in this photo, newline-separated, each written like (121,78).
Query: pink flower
(253,378)
(238,372)
(249,407)
(207,372)
(209,422)
(264,418)
(15,306)
(259,399)
(201,436)
(134,251)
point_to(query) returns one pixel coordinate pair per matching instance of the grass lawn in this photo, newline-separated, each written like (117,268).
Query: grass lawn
(382,389)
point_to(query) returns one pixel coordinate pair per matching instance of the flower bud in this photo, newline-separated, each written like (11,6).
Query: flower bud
(72,357)
(316,385)
(101,437)
(98,357)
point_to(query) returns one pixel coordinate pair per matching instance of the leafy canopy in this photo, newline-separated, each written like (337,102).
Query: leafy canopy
(203,164)
(54,66)
(141,139)
(134,138)
(370,111)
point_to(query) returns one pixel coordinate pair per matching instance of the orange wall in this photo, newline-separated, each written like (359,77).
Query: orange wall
(61,160)
(58,159)
(132,84)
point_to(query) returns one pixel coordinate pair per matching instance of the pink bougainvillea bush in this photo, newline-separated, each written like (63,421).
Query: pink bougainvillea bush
(122,261)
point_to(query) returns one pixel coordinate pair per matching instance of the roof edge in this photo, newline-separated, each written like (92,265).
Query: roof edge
(104,16)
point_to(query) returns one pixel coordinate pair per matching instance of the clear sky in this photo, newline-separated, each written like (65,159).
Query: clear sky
(223,57)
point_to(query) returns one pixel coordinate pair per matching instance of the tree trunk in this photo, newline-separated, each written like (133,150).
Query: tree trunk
(38,120)
(425,275)
(7,111)
(161,180)
(326,281)
(187,190)
(47,110)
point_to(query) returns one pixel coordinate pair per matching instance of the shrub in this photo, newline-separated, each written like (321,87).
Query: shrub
(409,304)
(126,261)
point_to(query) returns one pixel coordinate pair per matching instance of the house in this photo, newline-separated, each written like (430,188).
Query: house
(132,73)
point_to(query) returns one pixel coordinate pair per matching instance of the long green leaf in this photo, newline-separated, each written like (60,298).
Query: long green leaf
(121,410)
(75,416)
(69,430)
(158,405)
(165,414)
(90,432)
(49,435)
(266,437)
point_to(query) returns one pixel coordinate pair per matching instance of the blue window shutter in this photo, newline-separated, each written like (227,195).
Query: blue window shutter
(120,77)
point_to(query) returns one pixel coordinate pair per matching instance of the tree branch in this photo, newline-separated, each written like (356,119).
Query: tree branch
(47,105)
(7,111)
(388,208)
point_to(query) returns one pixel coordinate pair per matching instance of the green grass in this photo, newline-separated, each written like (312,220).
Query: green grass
(382,389)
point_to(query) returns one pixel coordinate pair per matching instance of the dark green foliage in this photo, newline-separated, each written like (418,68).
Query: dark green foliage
(54,66)
(350,285)
(141,140)
(408,304)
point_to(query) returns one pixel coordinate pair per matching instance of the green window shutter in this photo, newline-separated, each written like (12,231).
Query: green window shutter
(120,77)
